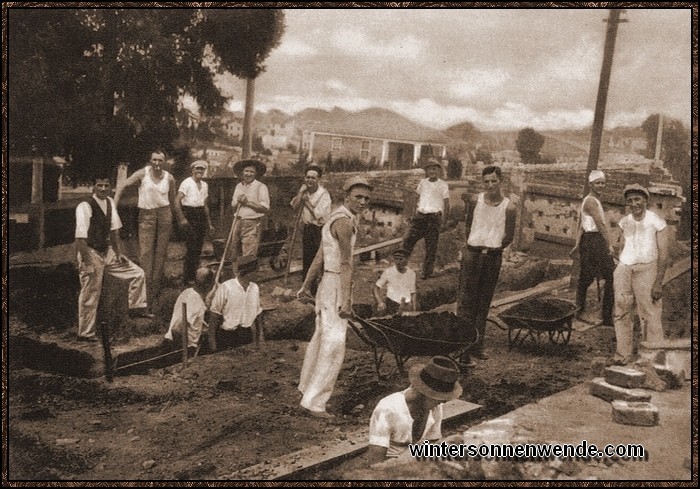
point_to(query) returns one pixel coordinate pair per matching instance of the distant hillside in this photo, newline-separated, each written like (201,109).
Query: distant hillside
(569,142)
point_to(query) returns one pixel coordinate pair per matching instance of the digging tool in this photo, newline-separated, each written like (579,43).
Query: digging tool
(291,243)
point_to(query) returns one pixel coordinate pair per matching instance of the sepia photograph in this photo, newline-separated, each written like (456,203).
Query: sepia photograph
(350,243)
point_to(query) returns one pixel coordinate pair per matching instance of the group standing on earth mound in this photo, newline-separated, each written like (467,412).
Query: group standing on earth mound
(226,313)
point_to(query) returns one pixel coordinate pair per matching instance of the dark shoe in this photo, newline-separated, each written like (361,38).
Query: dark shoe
(480,355)
(88,339)
(466,365)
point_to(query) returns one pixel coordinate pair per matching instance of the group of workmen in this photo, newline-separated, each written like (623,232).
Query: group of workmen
(328,239)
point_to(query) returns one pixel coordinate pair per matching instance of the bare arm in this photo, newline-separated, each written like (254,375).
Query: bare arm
(378,298)
(590,207)
(342,230)
(178,209)
(208,215)
(298,198)
(82,248)
(314,272)
(133,179)
(661,264)
(469,204)
(171,190)
(510,225)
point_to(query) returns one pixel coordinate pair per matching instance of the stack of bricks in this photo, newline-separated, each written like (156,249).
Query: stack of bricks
(622,388)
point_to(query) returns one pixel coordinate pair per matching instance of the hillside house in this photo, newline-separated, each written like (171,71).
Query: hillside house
(374,135)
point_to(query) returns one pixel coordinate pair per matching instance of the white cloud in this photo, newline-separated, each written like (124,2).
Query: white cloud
(468,83)
(517,116)
(294,47)
(338,86)
(356,42)
(581,63)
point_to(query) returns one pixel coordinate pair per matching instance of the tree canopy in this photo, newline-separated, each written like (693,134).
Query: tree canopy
(105,85)
(528,144)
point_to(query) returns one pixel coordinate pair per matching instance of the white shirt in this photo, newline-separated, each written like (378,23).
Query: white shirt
(195,317)
(640,238)
(256,192)
(320,200)
(154,194)
(237,306)
(488,224)
(587,222)
(194,196)
(83,214)
(399,285)
(391,424)
(432,196)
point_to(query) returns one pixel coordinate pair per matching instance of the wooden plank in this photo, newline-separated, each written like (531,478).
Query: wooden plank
(309,458)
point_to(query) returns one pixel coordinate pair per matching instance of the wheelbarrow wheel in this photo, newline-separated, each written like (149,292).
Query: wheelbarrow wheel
(561,336)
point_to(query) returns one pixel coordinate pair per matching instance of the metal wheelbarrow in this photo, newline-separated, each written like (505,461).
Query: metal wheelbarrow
(424,334)
(538,316)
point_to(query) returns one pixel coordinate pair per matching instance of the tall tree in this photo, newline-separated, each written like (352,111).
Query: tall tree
(528,144)
(104,85)
(675,153)
(241,40)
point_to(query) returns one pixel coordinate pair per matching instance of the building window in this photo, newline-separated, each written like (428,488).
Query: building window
(336,144)
(364,152)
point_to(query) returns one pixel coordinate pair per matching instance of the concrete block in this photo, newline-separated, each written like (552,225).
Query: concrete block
(667,376)
(635,413)
(678,362)
(600,388)
(624,377)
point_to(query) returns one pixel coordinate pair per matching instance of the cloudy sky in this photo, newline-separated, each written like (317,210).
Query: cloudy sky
(497,68)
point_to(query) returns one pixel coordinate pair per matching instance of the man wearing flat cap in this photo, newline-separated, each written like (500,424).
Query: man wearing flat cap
(431,214)
(595,248)
(192,211)
(250,202)
(415,414)
(400,282)
(639,274)
(333,262)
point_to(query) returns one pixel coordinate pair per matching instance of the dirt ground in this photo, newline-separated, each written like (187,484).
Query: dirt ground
(238,408)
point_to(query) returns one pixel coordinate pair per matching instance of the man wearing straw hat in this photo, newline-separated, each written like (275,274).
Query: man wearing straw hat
(415,414)
(325,352)
(250,202)
(595,248)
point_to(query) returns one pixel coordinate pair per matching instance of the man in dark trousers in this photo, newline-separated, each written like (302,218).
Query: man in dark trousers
(490,227)
(431,214)
(315,204)
(595,248)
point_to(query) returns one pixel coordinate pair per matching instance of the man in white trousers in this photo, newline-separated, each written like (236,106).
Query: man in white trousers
(326,350)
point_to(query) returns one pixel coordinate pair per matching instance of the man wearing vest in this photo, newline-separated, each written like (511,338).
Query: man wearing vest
(326,351)
(595,248)
(99,252)
(490,227)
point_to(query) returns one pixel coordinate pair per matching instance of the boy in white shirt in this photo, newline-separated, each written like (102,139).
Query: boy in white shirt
(194,298)
(400,281)
(235,308)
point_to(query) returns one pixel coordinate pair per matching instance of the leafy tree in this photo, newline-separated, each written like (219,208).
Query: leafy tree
(675,153)
(465,131)
(528,144)
(241,40)
(103,85)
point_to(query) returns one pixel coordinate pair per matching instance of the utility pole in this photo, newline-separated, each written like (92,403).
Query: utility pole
(659,135)
(597,131)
